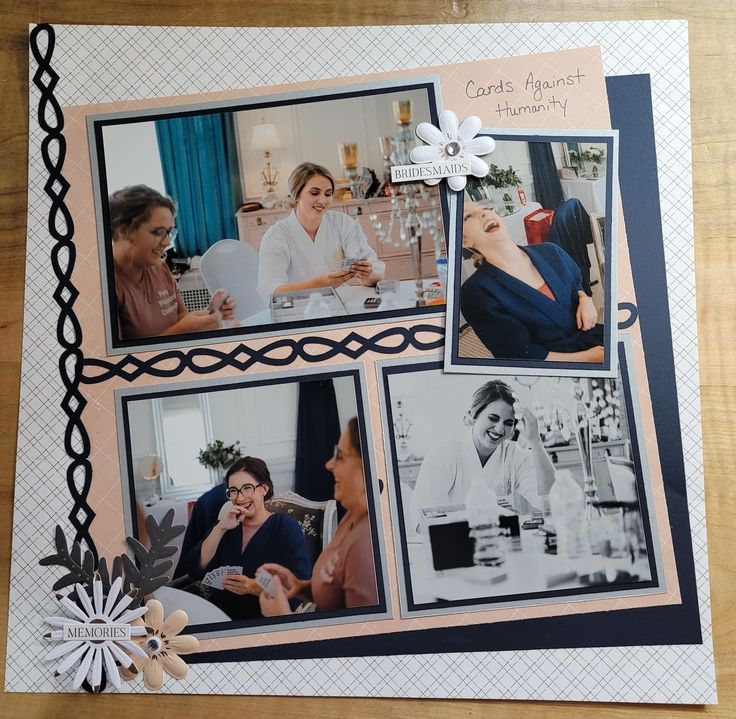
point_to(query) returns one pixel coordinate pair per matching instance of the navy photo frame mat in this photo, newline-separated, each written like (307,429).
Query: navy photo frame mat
(631,113)
(589,592)
(608,352)
(378,559)
(225,335)
(630,105)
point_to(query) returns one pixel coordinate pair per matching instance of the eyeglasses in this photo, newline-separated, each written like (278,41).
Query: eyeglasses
(232,493)
(161,232)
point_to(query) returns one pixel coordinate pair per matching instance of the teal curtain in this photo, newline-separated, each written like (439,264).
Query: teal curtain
(202,175)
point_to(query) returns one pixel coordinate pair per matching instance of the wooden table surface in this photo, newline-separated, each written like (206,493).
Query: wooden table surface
(713,69)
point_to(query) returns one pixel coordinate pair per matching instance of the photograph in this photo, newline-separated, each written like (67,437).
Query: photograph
(533,276)
(271,479)
(265,215)
(515,490)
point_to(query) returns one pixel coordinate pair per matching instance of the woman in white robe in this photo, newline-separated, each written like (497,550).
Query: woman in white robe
(519,477)
(309,248)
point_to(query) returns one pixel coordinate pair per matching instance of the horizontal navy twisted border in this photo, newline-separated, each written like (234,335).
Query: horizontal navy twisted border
(63,255)
(204,360)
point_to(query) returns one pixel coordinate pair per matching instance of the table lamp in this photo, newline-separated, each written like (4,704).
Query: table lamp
(265,139)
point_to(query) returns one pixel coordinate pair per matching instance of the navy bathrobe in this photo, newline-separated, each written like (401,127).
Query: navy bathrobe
(516,321)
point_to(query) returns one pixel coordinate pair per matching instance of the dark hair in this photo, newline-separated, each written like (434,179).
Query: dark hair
(255,467)
(302,174)
(354,434)
(490,392)
(132,206)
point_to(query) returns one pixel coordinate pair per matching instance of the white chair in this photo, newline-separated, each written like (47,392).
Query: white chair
(318,520)
(233,266)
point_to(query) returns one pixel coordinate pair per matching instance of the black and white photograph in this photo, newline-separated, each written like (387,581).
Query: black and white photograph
(265,214)
(273,482)
(533,275)
(511,490)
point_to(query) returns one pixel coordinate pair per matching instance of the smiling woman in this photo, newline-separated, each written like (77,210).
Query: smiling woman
(526,303)
(246,535)
(313,247)
(517,476)
(147,297)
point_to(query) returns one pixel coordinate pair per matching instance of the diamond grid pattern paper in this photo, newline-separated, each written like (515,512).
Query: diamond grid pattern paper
(105,64)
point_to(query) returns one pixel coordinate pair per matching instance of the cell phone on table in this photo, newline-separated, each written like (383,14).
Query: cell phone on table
(372,302)
(216,301)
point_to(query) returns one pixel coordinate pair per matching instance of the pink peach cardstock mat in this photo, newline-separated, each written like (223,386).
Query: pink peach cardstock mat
(586,108)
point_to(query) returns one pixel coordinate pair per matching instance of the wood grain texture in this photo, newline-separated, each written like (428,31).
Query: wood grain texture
(713,70)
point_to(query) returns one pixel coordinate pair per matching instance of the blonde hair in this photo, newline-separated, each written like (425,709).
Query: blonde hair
(301,175)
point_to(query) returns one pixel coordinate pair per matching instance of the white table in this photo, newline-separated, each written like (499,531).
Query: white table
(198,609)
(591,192)
(525,570)
(353,297)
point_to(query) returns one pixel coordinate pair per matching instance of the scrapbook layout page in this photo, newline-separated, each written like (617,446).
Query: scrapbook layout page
(345,366)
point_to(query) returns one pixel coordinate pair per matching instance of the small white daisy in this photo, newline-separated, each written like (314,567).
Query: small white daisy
(451,142)
(90,654)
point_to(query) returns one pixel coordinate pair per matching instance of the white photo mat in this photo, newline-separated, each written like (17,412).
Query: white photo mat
(106,64)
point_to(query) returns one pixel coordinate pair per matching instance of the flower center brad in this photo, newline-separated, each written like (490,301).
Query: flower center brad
(453,148)
(154,645)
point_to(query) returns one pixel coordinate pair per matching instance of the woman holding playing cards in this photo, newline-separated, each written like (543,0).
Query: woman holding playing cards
(245,536)
(344,574)
(314,247)
(488,450)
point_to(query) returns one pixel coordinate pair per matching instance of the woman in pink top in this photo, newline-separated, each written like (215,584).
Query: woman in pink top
(148,300)
(344,575)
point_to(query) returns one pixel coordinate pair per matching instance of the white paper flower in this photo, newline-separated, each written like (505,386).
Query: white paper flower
(451,142)
(163,645)
(89,655)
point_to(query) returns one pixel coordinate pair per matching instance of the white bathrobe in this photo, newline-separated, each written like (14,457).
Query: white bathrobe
(288,254)
(449,469)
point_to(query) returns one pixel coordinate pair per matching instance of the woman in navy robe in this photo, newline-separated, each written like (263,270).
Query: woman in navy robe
(247,535)
(526,303)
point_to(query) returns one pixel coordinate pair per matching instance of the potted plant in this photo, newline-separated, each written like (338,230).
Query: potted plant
(501,179)
(219,456)
(592,155)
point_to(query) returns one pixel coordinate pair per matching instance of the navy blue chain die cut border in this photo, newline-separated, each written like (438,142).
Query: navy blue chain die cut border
(63,255)
(75,369)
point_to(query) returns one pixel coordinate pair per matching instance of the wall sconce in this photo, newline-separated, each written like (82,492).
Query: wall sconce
(265,139)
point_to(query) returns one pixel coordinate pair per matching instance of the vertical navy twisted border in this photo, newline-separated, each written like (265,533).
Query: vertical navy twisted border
(63,255)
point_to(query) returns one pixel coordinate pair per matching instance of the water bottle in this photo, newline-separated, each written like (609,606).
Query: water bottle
(482,510)
(567,505)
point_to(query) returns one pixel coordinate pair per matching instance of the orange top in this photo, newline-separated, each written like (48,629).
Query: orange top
(545,290)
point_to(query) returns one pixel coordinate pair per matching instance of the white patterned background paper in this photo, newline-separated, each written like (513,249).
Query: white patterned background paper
(108,64)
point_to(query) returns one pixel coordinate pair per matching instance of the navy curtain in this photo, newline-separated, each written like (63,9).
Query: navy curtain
(547,185)
(318,431)
(200,166)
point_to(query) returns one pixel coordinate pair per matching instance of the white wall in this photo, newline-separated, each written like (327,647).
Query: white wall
(132,156)
(263,419)
(516,154)
(312,131)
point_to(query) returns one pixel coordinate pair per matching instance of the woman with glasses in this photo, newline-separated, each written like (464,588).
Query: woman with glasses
(147,296)
(344,575)
(246,535)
